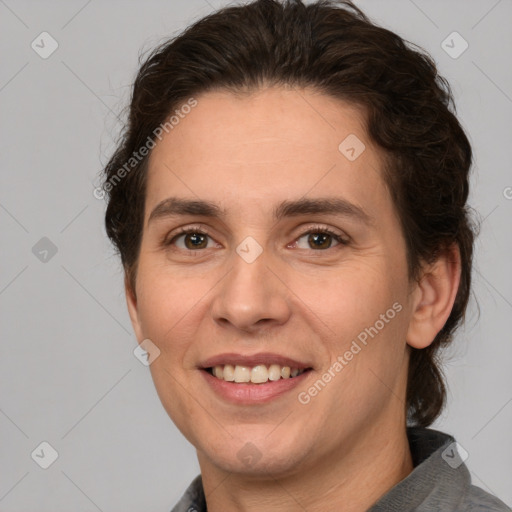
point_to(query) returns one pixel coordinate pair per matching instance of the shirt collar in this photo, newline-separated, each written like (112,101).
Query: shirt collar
(438,481)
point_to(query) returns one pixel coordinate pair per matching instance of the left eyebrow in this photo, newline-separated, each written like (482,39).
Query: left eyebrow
(174,206)
(323,205)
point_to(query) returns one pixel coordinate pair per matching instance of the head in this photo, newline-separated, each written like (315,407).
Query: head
(256,110)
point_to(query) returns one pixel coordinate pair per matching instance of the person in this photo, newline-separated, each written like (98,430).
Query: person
(289,205)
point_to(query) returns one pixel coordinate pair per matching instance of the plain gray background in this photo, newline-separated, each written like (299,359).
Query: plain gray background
(67,369)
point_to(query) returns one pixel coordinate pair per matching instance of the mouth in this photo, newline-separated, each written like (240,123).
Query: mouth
(244,379)
(257,374)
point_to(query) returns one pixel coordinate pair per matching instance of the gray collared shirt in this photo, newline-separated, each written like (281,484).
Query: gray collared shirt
(440,482)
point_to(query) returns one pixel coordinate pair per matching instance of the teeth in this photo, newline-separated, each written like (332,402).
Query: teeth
(242,374)
(274,372)
(258,374)
(229,373)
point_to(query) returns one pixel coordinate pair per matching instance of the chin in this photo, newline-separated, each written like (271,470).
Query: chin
(258,457)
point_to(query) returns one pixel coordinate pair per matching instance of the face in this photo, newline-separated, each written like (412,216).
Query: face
(297,259)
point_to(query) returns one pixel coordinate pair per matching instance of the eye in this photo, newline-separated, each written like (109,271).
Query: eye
(320,238)
(192,239)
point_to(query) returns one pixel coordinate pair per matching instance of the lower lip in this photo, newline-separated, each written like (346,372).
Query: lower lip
(249,394)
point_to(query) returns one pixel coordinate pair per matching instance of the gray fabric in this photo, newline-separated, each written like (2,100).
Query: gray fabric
(433,485)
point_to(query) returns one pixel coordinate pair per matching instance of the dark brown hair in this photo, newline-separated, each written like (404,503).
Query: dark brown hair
(335,49)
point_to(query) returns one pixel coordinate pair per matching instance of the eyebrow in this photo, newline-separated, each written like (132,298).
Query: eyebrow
(174,206)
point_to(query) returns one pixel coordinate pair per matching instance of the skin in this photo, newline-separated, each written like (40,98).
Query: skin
(348,446)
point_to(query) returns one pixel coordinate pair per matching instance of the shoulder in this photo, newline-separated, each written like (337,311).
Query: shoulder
(478,500)
(193,500)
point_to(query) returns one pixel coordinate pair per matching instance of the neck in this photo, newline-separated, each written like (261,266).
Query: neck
(375,462)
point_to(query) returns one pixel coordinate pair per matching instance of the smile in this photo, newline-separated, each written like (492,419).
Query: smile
(258,374)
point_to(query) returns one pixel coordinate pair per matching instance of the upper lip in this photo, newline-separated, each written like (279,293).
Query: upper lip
(266,358)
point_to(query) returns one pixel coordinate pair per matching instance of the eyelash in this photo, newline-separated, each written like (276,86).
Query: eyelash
(314,229)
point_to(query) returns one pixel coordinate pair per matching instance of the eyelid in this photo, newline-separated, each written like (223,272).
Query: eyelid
(341,237)
(325,229)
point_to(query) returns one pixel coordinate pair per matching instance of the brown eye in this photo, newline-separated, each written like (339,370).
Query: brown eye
(195,241)
(320,240)
(190,240)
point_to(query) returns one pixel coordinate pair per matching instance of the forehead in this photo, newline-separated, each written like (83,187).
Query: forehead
(260,148)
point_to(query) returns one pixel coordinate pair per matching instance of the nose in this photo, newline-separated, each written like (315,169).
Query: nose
(251,297)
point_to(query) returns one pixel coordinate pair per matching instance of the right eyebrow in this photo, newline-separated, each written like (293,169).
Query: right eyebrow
(174,206)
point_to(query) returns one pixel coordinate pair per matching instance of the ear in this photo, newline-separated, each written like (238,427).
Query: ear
(131,302)
(434,297)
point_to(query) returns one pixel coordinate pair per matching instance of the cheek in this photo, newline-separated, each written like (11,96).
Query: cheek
(168,306)
(371,353)
(169,312)
(350,299)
